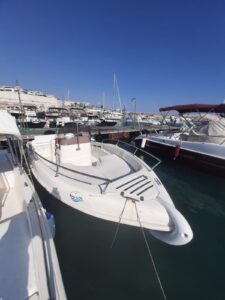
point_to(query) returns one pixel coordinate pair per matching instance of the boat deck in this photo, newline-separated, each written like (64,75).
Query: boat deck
(16,254)
(16,259)
(9,186)
(22,263)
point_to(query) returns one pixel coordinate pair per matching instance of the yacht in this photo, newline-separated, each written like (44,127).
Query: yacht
(201,143)
(15,111)
(112,118)
(78,115)
(26,116)
(28,259)
(141,120)
(93,115)
(107,181)
(57,116)
(30,119)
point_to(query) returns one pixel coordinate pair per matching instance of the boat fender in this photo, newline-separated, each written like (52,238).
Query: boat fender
(143,142)
(69,136)
(177,151)
(51,222)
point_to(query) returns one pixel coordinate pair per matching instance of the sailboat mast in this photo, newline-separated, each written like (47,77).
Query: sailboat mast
(116,93)
(114,89)
(103,100)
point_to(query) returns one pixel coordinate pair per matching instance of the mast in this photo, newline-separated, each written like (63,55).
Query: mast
(116,93)
(103,100)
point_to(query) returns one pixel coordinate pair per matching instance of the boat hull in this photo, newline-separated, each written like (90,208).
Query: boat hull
(200,161)
(134,197)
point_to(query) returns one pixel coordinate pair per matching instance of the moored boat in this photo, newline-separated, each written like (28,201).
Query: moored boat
(107,182)
(200,143)
(28,259)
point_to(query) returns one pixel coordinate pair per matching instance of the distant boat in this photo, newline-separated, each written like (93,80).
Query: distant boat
(107,182)
(200,143)
(116,116)
(30,119)
(111,118)
(29,265)
(93,115)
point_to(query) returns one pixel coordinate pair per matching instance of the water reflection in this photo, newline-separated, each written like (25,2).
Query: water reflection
(193,189)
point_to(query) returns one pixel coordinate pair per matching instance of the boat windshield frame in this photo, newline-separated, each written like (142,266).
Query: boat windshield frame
(218,109)
(189,108)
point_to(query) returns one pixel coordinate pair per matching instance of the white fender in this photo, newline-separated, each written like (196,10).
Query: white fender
(143,142)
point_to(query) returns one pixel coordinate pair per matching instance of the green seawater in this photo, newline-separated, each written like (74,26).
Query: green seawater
(91,270)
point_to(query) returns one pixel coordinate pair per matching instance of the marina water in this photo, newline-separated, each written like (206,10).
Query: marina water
(92,270)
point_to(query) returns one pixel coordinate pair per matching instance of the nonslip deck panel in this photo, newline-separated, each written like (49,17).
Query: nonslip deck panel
(132,180)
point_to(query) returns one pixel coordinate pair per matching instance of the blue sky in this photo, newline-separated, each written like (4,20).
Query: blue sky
(163,52)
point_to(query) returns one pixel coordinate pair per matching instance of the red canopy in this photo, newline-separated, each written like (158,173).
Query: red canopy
(217,108)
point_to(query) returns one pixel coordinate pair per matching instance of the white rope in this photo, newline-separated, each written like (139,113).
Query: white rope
(150,254)
(118,225)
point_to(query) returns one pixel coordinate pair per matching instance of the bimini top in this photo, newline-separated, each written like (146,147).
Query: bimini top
(189,108)
(8,125)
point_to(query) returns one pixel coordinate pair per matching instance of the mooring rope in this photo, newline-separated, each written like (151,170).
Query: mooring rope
(150,254)
(118,225)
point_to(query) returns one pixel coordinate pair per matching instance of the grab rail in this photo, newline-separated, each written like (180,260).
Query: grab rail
(135,151)
(106,180)
(74,171)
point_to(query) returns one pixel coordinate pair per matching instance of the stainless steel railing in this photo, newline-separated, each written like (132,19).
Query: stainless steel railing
(102,186)
(136,149)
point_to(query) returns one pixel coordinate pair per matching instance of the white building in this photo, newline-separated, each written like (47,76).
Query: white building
(9,96)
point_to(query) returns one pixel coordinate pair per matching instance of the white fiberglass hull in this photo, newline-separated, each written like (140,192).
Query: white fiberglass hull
(136,199)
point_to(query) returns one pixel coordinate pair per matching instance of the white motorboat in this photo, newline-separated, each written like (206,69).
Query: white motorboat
(29,265)
(201,144)
(107,182)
